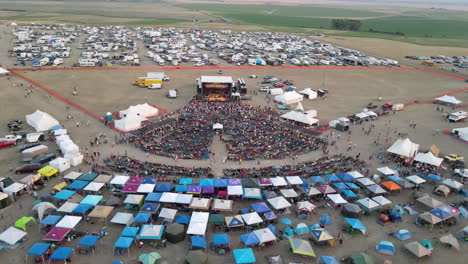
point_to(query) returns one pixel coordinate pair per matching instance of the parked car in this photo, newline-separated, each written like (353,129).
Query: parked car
(44,158)
(253,76)
(284,107)
(453,158)
(7,143)
(28,168)
(25,147)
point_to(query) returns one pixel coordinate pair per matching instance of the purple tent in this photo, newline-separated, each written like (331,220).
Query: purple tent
(135,180)
(208,189)
(194,189)
(130,188)
(232,182)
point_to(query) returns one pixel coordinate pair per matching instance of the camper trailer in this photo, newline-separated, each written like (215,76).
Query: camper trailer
(457,116)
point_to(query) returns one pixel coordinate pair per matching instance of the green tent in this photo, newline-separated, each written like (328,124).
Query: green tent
(149,258)
(362,258)
(21,223)
(249,183)
(217,219)
(196,257)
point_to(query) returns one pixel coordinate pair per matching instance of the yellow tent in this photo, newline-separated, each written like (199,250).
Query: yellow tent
(48,171)
(59,186)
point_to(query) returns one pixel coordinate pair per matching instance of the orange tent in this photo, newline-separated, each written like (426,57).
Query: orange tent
(391,186)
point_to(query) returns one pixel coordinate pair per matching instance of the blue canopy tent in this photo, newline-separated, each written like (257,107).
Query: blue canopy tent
(64,194)
(244,211)
(220,183)
(163,187)
(317,179)
(244,256)
(345,177)
(148,180)
(349,194)
(142,218)
(51,220)
(305,183)
(38,249)
(151,232)
(325,219)
(185,181)
(206,182)
(356,224)
(268,194)
(220,239)
(150,208)
(340,185)
(123,242)
(183,219)
(88,241)
(402,234)
(130,231)
(261,207)
(249,239)
(434,177)
(396,178)
(273,229)
(61,253)
(153,197)
(440,213)
(198,242)
(352,186)
(463,213)
(332,177)
(77,185)
(181,188)
(82,208)
(328,260)
(386,248)
(91,199)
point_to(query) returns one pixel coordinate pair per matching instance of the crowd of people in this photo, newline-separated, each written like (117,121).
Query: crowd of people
(249,132)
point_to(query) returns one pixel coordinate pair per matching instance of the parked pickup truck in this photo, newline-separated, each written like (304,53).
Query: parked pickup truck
(11,138)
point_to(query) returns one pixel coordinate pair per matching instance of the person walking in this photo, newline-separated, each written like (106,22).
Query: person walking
(340,239)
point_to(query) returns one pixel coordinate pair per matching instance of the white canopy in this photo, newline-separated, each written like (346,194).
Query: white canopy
(67,207)
(337,198)
(289,98)
(73,175)
(197,229)
(289,193)
(217,126)
(129,123)
(146,188)
(294,180)
(69,221)
(119,179)
(41,121)
(356,174)
(452,184)
(222,205)
(381,200)
(60,164)
(168,197)
(368,203)
(122,218)
(300,117)
(264,235)
(276,91)
(305,205)
(42,208)
(3,71)
(134,199)
(235,190)
(415,179)
(448,99)
(428,158)
(461,132)
(365,181)
(279,202)
(143,110)
(200,203)
(404,147)
(252,218)
(278,181)
(14,188)
(200,217)
(94,186)
(386,171)
(12,235)
(168,213)
(309,93)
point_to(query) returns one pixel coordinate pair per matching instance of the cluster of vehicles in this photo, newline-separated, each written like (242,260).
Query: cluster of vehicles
(153,80)
(457,61)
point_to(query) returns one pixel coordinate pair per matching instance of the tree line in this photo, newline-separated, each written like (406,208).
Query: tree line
(346,24)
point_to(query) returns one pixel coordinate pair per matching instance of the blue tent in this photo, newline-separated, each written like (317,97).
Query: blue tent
(220,183)
(185,181)
(235,222)
(433,177)
(260,207)
(440,213)
(77,185)
(288,232)
(305,183)
(164,187)
(51,220)
(332,177)
(345,176)
(123,242)
(82,208)
(244,256)
(220,239)
(150,208)
(340,185)
(64,194)
(396,178)
(273,229)
(148,180)
(402,234)
(142,218)
(91,199)
(38,249)
(268,194)
(301,229)
(386,248)
(153,197)
(317,179)
(206,182)
(329,260)
(61,253)
(198,242)
(183,219)
(249,239)
(356,224)
(352,186)
(88,241)
(463,213)
(244,211)
(349,194)
(325,219)
(56,127)
(130,231)
(181,188)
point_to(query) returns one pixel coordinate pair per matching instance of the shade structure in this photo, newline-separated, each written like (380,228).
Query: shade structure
(328,260)
(87,177)
(183,219)
(198,223)
(69,221)
(428,158)
(60,186)
(177,198)
(130,188)
(416,179)
(279,203)
(103,178)
(77,185)
(348,194)
(244,256)
(194,189)
(417,249)
(337,199)
(220,183)
(48,171)
(305,205)
(122,218)
(12,235)
(149,258)
(208,190)
(64,194)
(325,219)
(340,185)
(356,224)
(51,220)
(150,208)
(198,242)
(322,235)
(352,186)
(101,211)
(294,180)
(450,240)
(252,218)
(220,239)
(440,213)
(368,204)
(206,182)
(94,186)
(249,239)
(386,248)
(235,190)
(345,176)
(265,182)
(185,181)
(453,184)
(252,193)
(181,188)
(151,232)
(332,177)
(142,218)
(302,247)
(38,249)
(119,180)
(391,186)
(135,180)
(56,234)
(153,197)
(217,219)
(365,181)
(326,189)
(402,234)
(234,221)
(260,207)
(221,205)
(163,187)
(146,188)
(42,208)
(175,232)
(289,193)
(200,204)
(61,253)
(301,229)
(73,175)
(88,241)
(381,200)
(67,207)
(196,257)
(91,200)
(278,181)
(123,242)
(317,179)
(430,218)
(130,231)
(234,181)
(376,189)
(167,213)
(351,210)
(135,199)
(264,235)
(311,191)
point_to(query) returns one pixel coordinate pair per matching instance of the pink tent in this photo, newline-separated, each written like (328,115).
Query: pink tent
(56,234)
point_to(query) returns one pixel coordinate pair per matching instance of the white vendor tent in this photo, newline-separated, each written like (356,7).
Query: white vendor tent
(428,158)
(279,202)
(276,91)
(12,235)
(119,180)
(309,93)
(264,235)
(217,126)
(143,110)
(289,98)
(146,188)
(3,71)
(235,190)
(461,132)
(278,181)
(337,199)
(122,218)
(252,218)
(448,99)
(60,164)
(41,121)
(129,123)
(300,117)
(69,221)
(167,213)
(94,186)
(198,223)
(404,147)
